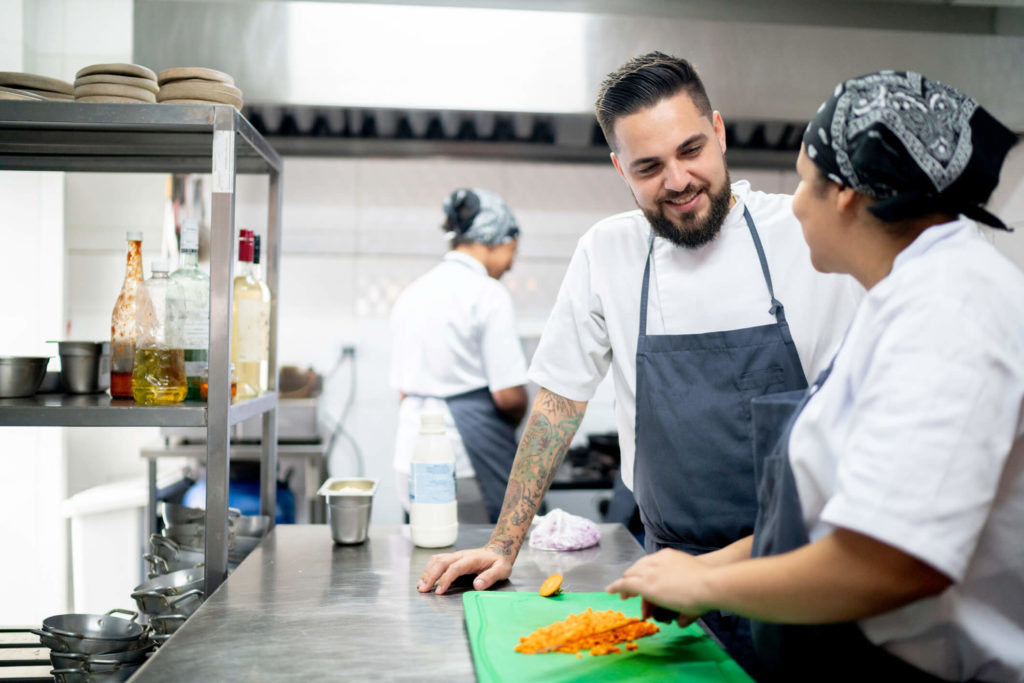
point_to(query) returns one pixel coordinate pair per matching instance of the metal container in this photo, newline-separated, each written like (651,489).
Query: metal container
(174,514)
(21,375)
(179,592)
(249,525)
(349,503)
(92,633)
(84,366)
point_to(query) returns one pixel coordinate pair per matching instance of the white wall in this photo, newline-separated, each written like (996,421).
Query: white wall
(52,38)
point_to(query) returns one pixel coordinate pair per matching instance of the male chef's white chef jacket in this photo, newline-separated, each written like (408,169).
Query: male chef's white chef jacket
(917,440)
(453,330)
(720,286)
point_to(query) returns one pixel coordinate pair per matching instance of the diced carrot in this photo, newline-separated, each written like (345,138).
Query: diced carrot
(551,586)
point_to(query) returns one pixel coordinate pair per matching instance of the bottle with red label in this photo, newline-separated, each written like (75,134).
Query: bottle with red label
(122,322)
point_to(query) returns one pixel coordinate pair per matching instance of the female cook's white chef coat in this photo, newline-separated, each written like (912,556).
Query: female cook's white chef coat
(720,286)
(916,440)
(453,330)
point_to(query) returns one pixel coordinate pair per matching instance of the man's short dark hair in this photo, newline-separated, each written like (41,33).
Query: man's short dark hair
(642,82)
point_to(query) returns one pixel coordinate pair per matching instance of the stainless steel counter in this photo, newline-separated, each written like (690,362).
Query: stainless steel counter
(300,608)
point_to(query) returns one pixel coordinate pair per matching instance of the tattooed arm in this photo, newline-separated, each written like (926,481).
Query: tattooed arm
(549,431)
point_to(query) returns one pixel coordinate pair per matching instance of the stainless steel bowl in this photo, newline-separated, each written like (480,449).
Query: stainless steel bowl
(21,375)
(85,366)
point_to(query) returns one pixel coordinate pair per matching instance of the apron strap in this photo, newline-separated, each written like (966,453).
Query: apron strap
(776,309)
(644,287)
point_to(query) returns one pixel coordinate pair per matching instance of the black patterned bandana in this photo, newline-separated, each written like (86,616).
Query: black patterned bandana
(475,215)
(913,144)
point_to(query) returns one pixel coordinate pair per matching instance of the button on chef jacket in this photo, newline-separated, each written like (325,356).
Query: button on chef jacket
(720,286)
(453,330)
(917,440)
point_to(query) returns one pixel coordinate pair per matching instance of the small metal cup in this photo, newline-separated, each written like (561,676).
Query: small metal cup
(349,503)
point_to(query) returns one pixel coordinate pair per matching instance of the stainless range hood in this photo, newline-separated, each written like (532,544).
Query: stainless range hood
(476,78)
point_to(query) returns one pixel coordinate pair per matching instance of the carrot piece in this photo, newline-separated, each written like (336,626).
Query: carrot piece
(551,586)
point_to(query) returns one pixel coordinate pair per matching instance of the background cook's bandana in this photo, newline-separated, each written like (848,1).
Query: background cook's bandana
(913,144)
(480,216)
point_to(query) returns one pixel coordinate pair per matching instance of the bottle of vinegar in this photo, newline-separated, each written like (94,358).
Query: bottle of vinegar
(433,511)
(122,322)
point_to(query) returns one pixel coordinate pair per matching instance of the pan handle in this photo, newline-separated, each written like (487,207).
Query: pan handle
(46,633)
(158,540)
(119,610)
(187,594)
(158,564)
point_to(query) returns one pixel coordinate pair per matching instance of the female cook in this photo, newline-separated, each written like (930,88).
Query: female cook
(889,543)
(455,349)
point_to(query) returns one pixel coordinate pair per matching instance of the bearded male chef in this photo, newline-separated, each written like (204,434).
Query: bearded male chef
(699,301)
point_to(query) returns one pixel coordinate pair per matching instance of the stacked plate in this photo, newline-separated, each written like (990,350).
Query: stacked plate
(196,85)
(128,83)
(15,85)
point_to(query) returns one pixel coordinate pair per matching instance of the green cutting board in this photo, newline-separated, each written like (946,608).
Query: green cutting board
(497,620)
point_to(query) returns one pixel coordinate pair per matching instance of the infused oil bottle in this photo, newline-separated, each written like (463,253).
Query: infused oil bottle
(158,377)
(122,322)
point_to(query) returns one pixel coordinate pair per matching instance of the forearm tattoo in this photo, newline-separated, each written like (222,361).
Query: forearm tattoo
(549,431)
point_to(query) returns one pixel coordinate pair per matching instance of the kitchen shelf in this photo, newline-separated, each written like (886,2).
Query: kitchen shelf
(100,410)
(137,138)
(161,138)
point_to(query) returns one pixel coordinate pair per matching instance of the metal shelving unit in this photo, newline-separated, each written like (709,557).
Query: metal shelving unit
(159,138)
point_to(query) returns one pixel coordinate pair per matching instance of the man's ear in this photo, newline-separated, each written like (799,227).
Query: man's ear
(618,166)
(719,126)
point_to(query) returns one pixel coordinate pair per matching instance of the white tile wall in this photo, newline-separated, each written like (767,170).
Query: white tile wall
(31,459)
(12,44)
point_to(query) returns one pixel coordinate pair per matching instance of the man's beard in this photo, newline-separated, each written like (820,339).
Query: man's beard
(694,231)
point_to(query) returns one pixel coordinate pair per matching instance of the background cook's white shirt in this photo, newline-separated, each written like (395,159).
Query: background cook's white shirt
(916,440)
(453,330)
(596,317)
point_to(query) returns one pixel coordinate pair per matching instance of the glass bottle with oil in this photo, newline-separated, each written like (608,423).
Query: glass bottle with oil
(158,377)
(250,328)
(122,322)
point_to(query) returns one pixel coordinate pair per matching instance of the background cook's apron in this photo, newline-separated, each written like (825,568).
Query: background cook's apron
(834,652)
(490,441)
(693,475)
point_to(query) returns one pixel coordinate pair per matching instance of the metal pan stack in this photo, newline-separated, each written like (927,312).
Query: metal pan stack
(95,648)
(15,85)
(197,85)
(182,544)
(169,600)
(117,83)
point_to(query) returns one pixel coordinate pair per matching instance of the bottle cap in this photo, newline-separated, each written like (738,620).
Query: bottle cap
(431,421)
(245,245)
(134,236)
(158,266)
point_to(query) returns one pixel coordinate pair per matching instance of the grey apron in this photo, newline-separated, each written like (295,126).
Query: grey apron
(490,441)
(693,476)
(834,652)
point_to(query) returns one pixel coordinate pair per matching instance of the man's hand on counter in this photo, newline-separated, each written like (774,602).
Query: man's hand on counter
(442,570)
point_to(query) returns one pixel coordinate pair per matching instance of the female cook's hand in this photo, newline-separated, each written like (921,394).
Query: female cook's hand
(670,579)
(489,566)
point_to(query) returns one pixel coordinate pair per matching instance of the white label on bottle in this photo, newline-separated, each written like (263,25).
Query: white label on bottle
(432,482)
(251,330)
(197,334)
